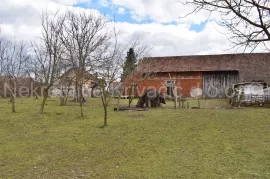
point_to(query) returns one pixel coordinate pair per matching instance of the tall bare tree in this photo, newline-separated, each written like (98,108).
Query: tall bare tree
(48,52)
(2,49)
(83,34)
(248,21)
(110,58)
(65,83)
(14,59)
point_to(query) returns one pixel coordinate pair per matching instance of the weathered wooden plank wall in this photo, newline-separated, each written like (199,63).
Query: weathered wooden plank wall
(217,84)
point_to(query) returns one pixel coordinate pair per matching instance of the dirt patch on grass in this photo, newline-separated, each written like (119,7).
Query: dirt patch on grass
(136,116)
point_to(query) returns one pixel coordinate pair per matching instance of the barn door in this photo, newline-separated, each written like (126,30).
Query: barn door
(218,84)
(170,86)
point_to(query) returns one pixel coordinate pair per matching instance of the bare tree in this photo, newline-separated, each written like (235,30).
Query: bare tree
(48,53)
(133,81)
(3,42)
(65,83)
(83,34)
(248,21)
(14,57)
(110,64)
(2,50)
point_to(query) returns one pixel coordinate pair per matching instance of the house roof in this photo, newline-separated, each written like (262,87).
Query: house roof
(224,62)
(21,81)
(71,73)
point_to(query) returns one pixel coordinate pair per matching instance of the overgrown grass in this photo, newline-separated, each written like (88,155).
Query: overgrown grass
(159,143)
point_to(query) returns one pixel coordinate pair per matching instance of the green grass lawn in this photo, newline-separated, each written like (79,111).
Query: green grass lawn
(159,143)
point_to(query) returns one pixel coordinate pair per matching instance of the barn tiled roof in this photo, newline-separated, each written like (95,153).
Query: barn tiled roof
(224,62)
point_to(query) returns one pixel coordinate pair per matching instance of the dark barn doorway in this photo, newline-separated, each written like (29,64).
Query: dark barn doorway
(217,84)
(170,87)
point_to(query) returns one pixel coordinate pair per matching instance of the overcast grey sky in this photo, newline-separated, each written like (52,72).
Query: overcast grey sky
(156,22)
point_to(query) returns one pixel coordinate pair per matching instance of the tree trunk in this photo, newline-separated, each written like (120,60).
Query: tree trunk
(131,94)
(65,102)
(76,97)
(183,102)
(175,101)
(66,98)
(81,99)
(130,101)
(13,95)
(45,97)
(118,102)
(105,115)
(62,98)
(62,101)
(12,100)
(179,102)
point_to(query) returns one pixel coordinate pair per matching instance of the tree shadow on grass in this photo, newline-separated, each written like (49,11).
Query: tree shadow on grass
(102,126)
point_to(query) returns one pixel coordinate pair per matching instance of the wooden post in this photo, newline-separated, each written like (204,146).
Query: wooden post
(179,102)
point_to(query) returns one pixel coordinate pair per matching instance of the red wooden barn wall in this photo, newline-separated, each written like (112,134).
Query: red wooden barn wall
(184,82)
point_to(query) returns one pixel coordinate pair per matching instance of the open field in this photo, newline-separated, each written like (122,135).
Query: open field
(159,143)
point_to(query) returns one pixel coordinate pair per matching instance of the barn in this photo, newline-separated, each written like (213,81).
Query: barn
(208,76)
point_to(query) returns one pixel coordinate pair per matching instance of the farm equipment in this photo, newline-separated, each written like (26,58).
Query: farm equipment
(250,93)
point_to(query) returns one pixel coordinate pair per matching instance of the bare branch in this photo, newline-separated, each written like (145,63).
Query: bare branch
(48,53)
(247,21)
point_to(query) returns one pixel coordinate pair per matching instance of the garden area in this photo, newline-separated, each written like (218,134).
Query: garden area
(158,143)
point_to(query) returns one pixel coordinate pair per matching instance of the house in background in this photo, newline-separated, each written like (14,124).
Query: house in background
(25,87)
(208,76)
(67,84)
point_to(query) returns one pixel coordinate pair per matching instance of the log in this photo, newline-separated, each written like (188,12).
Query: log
(130,109)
